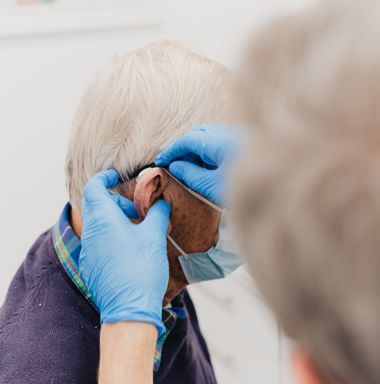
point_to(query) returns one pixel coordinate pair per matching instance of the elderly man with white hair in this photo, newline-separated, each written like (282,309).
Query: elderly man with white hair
(50,322)
(307,201)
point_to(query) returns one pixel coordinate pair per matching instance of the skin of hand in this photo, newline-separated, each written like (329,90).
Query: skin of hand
(124,287)
(200,159)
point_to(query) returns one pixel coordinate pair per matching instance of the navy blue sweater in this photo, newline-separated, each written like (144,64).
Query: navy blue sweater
(49,333)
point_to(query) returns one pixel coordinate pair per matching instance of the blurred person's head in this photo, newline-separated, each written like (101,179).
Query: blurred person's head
(143,101)
(308,205)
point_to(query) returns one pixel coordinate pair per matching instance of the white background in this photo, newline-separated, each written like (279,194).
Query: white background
(41,79)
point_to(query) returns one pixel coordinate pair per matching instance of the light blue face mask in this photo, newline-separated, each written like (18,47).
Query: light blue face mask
(220,260)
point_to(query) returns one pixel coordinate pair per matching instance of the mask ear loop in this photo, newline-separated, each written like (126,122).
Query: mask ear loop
(176,246)
(195,194)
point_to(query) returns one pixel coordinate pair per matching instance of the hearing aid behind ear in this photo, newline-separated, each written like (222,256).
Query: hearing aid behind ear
(142,173)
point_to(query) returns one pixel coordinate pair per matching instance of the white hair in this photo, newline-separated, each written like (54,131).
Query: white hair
(143,101)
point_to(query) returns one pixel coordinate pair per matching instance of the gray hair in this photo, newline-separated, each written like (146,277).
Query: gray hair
(143,101)
(308,203)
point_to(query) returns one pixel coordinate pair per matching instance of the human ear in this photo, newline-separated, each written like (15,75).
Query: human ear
(305,369)
(150,185)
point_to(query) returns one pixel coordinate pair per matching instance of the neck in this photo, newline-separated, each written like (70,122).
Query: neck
(76,222)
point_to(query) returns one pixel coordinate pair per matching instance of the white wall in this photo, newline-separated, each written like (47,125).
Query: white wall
(41,80)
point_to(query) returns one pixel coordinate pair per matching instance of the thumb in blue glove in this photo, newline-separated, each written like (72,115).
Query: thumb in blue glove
(214,147)
(124,265)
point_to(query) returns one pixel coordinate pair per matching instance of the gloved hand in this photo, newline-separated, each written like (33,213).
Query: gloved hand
(214,146)
(124,265)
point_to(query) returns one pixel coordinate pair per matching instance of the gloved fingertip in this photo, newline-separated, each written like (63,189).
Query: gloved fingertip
(177,168)
(126,205)
(158,215)
(160,160)
(110,177)
(97,187)
(164,206)
(102,180)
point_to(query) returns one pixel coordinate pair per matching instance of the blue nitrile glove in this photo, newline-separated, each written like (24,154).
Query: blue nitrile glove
(214,146)
(124,265)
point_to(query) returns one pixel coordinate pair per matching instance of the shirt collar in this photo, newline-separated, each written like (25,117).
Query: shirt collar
(68,247)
